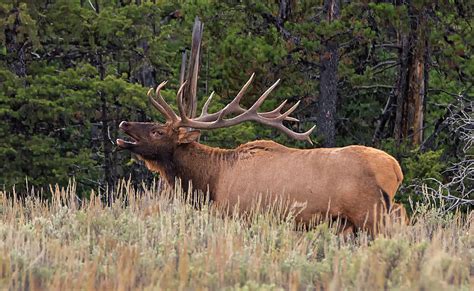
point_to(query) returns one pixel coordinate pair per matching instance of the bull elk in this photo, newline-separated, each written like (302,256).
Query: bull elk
(356,183)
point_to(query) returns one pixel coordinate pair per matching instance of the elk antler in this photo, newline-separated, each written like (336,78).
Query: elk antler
(272,118)
(161,104)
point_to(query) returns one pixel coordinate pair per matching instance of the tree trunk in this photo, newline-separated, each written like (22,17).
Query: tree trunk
(15,50)
(285,9)
(97,8)
(109,169)
(327,101)
(412,81)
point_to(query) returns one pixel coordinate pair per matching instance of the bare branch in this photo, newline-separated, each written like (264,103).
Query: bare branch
(458,190)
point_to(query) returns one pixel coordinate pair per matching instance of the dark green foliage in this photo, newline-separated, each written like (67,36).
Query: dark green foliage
(70,71)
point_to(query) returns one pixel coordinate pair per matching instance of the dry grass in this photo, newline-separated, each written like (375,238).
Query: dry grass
(150,241)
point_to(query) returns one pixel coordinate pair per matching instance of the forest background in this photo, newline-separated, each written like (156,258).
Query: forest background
(396,75)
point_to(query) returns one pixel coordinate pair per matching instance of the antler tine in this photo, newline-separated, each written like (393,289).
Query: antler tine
(298,136)
(276,122)
(155,103)
(161,104)
(262,98)
(241,93)
(179,99)
(232,107)
(235,104)
(289,111)
(276,112)
(206,105)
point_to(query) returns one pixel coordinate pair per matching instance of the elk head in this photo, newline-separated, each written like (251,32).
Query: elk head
(156,141)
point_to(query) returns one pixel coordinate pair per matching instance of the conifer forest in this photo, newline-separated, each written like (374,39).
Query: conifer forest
(78,212)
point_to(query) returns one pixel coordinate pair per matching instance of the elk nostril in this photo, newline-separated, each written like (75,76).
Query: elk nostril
(124,125)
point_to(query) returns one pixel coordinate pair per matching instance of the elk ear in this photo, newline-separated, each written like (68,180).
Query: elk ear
(185,136)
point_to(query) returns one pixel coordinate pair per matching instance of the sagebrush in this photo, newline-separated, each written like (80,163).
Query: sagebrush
(149,239)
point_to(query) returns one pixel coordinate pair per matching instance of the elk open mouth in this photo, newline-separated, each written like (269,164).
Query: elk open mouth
(126,144)
(131,141)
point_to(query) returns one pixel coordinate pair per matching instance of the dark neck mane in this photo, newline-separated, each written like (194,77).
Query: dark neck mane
(195,163)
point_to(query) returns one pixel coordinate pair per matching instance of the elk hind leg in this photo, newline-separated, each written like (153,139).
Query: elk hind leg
(343,225)
(372,219)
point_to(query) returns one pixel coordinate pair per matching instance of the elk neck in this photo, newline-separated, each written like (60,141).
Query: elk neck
(195,163)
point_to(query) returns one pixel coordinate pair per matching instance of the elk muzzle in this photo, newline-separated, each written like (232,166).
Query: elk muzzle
(127,128)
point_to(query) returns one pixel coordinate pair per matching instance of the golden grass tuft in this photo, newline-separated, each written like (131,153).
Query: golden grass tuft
(153,240)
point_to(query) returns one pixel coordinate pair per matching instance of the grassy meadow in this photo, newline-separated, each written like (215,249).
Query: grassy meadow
(152,240)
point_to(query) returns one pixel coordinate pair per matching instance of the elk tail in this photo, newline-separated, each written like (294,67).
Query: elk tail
(398,172)
(386,200)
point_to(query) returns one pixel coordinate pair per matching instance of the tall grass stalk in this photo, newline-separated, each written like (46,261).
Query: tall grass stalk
(149,239)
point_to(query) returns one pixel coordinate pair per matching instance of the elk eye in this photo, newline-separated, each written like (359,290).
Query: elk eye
(156,133)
